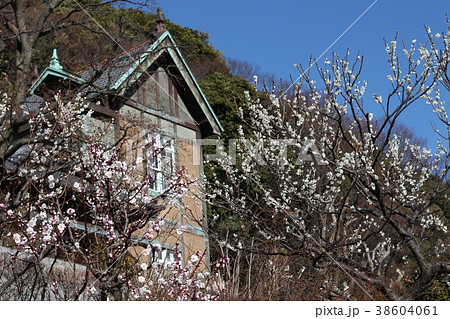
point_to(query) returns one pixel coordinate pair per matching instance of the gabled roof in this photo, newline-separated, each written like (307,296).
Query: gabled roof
(110,72)
(115,76)
(56,70)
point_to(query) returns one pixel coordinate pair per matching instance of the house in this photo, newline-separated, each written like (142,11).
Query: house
(151,82)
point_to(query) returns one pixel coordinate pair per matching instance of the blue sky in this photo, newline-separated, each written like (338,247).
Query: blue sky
(275,35)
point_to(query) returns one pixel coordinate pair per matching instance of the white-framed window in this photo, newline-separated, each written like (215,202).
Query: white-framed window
(165,257)
(160,155)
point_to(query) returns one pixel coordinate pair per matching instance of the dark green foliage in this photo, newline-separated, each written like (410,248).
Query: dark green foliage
(439,290)
(226,94)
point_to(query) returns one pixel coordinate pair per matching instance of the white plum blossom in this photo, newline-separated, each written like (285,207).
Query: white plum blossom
(372,189)
(194,258)
(17,238)
(144,266)
(61,227)
(377,98)
(141,279)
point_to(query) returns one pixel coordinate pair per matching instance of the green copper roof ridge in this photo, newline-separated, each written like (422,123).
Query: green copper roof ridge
(54,68)
(54,62)
(138,62)
(58,73)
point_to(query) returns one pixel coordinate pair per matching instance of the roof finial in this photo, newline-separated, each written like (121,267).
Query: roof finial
(160,27)
(54,63)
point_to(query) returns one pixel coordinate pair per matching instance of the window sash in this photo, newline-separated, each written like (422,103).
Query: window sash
(160,161)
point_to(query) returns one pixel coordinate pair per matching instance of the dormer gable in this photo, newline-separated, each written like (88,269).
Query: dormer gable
(55,79)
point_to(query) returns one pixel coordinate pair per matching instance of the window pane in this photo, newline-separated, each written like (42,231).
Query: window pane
(160,161)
